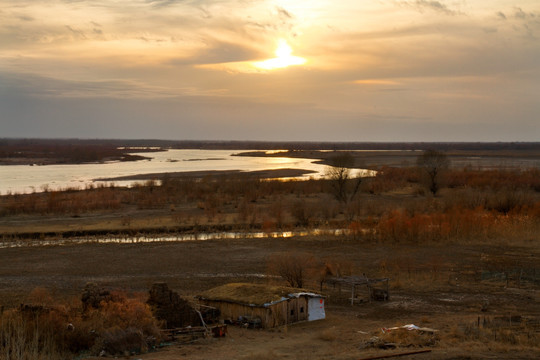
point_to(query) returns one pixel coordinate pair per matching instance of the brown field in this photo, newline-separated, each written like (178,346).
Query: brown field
(438,286)
(464,262)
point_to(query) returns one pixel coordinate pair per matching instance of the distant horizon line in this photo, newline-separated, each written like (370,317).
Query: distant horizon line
(257,145)
(277,141)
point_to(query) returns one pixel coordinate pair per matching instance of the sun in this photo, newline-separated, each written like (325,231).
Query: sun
(284,58)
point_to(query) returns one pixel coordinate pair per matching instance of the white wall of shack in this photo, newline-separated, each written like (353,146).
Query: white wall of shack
(316,309)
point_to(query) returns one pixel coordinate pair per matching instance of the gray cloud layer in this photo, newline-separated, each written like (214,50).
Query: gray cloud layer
(390,70)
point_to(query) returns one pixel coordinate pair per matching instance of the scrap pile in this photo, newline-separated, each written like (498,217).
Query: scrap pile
(181,320)
(408,335)
(170,308)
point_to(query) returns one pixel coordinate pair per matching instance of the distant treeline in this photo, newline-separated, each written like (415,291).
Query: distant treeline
(265,145)
(60,152)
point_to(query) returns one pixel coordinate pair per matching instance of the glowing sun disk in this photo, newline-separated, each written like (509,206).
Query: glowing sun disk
(283,58)
(283,49)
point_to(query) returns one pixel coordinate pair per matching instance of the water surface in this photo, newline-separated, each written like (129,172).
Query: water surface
(27,179)
(181,237)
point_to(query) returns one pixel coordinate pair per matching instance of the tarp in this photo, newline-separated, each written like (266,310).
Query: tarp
(408,327)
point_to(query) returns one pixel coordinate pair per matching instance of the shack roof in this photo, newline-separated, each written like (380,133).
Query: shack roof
(259,295)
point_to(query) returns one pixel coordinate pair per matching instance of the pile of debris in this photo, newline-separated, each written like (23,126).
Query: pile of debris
(182,322)
(408,335)
(169,307)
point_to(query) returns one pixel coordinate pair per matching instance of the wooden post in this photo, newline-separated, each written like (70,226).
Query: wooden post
(352,294)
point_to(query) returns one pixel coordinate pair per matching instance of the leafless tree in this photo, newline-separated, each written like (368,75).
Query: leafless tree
(294,268)
(344,185)
(433,163)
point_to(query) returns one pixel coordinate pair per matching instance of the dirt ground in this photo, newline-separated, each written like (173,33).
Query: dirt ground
(437,286)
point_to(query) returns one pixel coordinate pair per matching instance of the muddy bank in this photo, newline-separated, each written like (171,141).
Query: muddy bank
(264,174)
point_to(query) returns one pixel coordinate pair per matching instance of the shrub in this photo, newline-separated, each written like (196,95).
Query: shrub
(119,325)
(30,336)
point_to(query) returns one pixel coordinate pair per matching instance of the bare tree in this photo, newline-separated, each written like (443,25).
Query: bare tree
(294,268)
(344,186)
(433,163)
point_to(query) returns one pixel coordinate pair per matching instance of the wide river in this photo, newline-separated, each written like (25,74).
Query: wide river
(26,179)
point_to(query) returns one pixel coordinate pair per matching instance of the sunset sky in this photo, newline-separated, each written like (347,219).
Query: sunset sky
(321,70)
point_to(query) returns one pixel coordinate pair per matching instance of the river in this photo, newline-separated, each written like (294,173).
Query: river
(28,179)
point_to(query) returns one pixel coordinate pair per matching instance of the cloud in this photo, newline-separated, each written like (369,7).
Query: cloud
(284,13)
(526,23)
(434,5)
(178,58)
(163,3)
(45,87)
(77,33)
(437,6)
(25,18)
(520,14)
(377,82)
(218,52)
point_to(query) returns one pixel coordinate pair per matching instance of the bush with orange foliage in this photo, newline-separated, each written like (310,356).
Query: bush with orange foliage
(454,224)
(391,178)
(122,324)
(495,179)
(118,326)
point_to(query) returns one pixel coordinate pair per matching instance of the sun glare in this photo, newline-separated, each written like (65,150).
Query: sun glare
(284,58)
(283,50)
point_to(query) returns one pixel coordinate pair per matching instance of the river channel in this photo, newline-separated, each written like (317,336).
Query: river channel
(28,179)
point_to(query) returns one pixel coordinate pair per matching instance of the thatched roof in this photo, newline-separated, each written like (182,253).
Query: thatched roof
(253,294)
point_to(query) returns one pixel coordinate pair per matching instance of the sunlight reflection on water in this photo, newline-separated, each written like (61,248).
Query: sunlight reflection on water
(19,243)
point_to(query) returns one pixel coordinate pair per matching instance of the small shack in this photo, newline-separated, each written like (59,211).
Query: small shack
(271,305)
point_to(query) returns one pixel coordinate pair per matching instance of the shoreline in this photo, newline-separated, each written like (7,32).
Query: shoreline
(264,174)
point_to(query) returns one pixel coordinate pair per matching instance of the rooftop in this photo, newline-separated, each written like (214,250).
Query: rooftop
(253,294)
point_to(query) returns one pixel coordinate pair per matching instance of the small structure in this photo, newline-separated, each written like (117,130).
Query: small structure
(264,305)
(374,293)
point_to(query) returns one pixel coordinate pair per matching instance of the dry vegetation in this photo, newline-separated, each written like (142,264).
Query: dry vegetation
(47,329)
(393,206)
(463,261)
